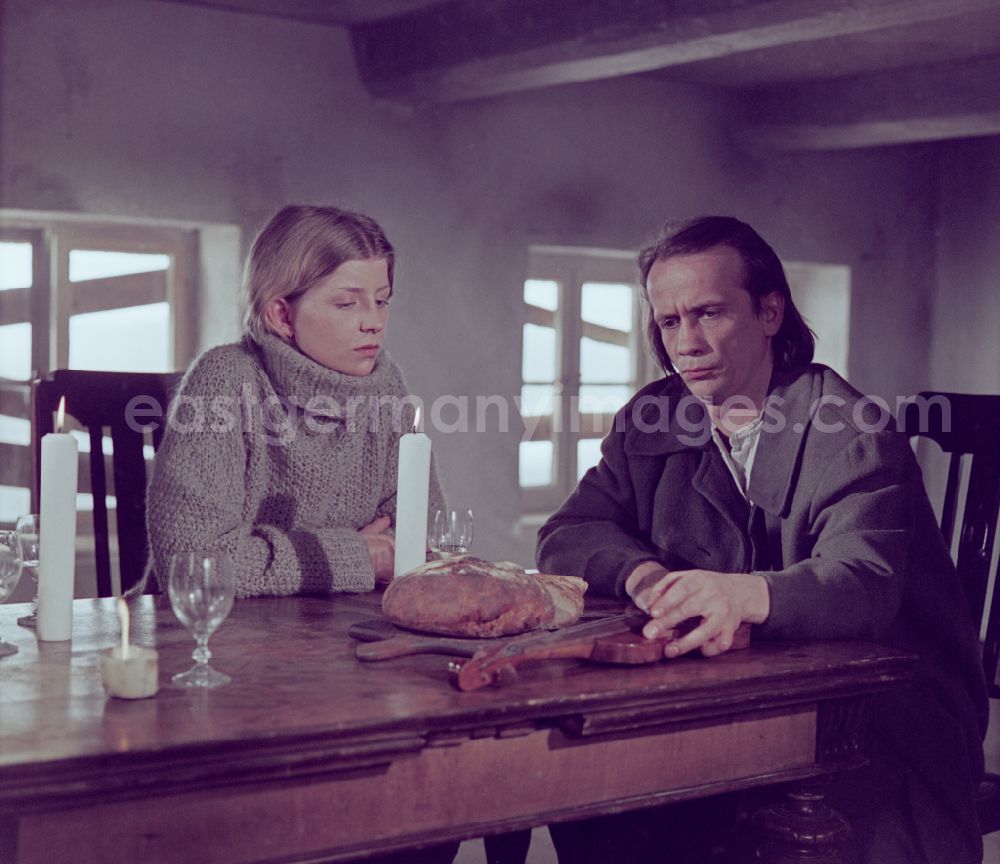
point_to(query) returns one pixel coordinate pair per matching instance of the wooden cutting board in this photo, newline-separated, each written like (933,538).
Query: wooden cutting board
(382,640)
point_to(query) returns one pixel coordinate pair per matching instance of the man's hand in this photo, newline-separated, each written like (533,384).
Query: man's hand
(722,600)
(381,548)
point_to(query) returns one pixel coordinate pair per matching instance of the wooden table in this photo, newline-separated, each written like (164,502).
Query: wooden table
(309,753)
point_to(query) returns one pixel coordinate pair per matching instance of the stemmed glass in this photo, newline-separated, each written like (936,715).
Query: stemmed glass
(451,533)
(28,530)
(201,589)
(10,572)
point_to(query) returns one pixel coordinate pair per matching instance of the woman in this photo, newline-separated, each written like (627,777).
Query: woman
(281,449)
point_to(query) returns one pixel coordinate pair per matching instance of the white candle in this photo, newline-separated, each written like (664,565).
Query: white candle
(412,490)
(57,535)
(129,671)
(131,676)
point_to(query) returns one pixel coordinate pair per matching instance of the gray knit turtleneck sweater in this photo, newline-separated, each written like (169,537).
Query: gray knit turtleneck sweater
(278,461)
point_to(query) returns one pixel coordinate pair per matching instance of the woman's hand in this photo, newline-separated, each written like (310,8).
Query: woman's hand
(722,600)
(381,548)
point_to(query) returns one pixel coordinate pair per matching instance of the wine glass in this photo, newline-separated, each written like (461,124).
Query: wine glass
(451,533)
(201,589)
(28,531)
(10,572)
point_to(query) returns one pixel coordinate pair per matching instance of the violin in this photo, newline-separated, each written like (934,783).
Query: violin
(617,639)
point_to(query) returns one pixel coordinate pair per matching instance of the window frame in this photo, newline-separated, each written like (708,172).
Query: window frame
(51,307)
(25,305)
(570,268)
(51,299)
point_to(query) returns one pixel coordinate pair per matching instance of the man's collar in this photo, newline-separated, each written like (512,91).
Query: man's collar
(667,418)
(783,433)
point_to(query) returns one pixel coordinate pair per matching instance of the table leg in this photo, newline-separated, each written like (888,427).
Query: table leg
(509,848)
(801,828)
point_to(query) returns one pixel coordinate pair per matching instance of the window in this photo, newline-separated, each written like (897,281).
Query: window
(582,358)
(822,293)
(84,296)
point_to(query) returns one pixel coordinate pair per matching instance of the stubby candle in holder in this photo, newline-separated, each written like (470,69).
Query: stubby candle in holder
(412,491)
(129,671)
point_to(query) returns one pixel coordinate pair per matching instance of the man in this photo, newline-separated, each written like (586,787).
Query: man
(750,486)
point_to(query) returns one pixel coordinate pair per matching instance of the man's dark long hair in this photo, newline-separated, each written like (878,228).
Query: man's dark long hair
(793,344)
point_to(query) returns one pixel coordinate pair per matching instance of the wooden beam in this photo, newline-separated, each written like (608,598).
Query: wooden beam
(539,317)
(119,292)
(15,398)
(876,133)
(15,465)
(590,425)
(546,318)
(954,100)
(15,306)
(462,51)
(599,333)
(340,12)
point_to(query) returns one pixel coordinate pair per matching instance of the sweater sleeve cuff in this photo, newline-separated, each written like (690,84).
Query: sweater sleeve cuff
(349,565)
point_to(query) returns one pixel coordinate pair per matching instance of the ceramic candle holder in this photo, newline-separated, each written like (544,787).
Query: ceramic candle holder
(132,675)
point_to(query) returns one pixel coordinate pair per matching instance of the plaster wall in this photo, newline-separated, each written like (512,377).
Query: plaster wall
(965,350)
(962,351)
(161,110)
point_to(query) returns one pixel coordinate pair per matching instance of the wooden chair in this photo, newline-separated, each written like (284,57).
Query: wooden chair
(100,400)
(969,425)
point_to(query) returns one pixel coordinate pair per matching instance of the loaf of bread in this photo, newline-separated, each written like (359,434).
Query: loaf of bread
(567,597)
(466,596)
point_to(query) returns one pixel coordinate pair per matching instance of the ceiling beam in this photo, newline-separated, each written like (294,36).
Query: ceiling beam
(874,133)
(334,12)
(904,106)
(298,10)
(461,50)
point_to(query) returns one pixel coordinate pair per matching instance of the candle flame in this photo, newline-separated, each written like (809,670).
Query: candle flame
(122,607)
(61,414)
(416,420)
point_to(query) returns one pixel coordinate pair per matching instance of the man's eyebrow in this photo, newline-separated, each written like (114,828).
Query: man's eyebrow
(701,307)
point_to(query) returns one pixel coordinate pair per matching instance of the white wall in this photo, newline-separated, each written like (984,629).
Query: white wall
(161,110)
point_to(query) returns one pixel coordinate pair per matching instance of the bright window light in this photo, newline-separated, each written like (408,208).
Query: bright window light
(15,351)
(93,264)
(609,304)
(133,339)
(543,293)
(15,266)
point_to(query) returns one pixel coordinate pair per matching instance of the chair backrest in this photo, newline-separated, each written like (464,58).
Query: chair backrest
(968,425)
(120,402)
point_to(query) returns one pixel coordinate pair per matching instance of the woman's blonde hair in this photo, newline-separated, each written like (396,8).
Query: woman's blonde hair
(299,246)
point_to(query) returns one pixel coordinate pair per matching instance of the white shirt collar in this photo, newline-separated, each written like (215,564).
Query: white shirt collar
(739,455)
